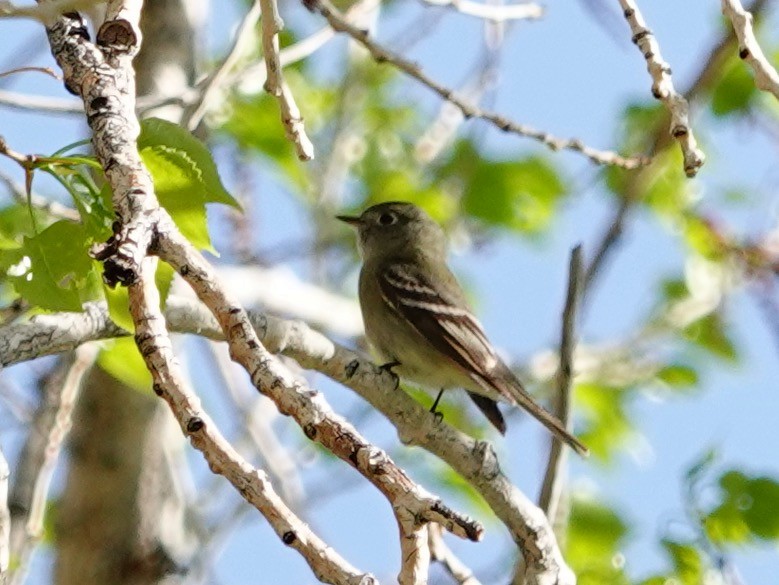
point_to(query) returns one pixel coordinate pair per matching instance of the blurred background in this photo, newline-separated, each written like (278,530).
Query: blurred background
(676,372)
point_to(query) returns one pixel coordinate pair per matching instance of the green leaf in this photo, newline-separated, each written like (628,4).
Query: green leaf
(687,562)
(595,535)
(734,89)
(709,333)
(52,270)
(606,422)
(156,132)
(678,376)
(748,509)
(121,358)
(521,195)
(701,236)
(181,191)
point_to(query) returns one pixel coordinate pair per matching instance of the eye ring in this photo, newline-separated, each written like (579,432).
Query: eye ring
(388,218)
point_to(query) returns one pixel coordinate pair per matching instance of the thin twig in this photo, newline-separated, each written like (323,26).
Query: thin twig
(21,101)
(492,12)
(663,88)
(45,12)
(212,87)
(383,55)
(46,70)
(442,554)
(49,429)
(51,207)
(766,77)
(554,476)
(275,85)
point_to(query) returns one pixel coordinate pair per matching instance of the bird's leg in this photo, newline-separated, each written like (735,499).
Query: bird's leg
(389,365)
(439,416)
(388,368)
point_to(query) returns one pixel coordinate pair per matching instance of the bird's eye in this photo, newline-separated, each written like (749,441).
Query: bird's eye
(388,218)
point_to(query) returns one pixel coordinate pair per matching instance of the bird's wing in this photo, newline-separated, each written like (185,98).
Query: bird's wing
(442,319)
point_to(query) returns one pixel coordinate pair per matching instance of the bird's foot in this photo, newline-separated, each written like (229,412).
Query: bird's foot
(388,368)
(438,416)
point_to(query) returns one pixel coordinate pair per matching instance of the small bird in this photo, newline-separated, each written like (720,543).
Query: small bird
(417,319)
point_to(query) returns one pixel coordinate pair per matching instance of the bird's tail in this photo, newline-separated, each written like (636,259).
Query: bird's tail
(508,385)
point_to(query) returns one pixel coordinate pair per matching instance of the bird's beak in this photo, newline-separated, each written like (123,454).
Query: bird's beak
(351,220)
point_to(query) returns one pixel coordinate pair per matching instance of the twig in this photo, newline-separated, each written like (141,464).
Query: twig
(45,12)
(766,77)
(46,70)
(212,86)
(492,12)
(553,478)
(51,207)
(441,553)
(5,520)
(21,101)
(663,88)
(382,55)
(275,84)
(49,429)
(258,415)
(632,196)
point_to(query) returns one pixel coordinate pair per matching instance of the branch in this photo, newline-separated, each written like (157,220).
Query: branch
(441,553)
(474,460)
(153,341)
(469,110)
(553,478)
(21,101)
(414,551)
(663,88)
(275,84)
(306,406)
(211,87)
(492,12)
(45,12)
(766,77)
(38,460)
(105,71)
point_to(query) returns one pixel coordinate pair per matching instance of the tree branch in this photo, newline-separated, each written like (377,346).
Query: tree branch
(553,477)
(275,84)
(766,77)
(663,88)
(153,341)
(474,460)
(469,110)
(492,12)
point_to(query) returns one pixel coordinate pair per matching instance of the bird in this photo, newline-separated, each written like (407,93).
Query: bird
(417,318)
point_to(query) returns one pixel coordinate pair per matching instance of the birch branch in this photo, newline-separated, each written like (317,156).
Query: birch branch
(103,77)
(153,341)
(441,553)
(766,77)
(383,55)
(275,84)
(474,460)
(492,12)
(663,88)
